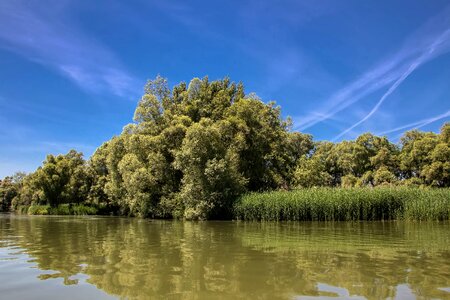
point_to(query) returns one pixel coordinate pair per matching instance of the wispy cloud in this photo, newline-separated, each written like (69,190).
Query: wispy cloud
(428,55)
(417,124)
(429,42)
(46,35)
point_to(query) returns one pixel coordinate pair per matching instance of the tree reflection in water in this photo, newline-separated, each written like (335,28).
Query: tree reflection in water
(141,259)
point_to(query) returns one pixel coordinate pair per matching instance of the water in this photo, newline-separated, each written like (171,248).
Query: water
(103,257)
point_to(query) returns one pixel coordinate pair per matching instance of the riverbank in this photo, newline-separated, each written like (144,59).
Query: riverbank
(339,204)
(62,210)
(314,204)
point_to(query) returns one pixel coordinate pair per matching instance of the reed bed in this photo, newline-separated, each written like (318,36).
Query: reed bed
(345,204)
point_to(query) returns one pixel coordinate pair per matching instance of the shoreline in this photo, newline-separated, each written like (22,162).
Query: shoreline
(313,204)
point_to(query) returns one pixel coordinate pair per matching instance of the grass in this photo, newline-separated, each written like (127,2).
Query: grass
(62,209)
(340,204)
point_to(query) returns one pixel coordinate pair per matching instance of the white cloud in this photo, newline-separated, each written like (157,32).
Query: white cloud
(45,34)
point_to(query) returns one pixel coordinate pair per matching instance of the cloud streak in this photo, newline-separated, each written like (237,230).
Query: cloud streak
(44,34)
(428,55)
(429,42)
(417,124)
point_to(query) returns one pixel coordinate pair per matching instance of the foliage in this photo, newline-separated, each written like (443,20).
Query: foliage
(62,209)
(39,210)
(9,189)
(192,150)
(61,179)
(420,159)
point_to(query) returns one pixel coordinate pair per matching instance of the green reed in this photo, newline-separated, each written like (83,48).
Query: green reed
(342,204)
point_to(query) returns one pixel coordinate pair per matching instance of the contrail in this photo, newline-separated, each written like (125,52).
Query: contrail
(389,72)
(418,124)
(375,108)
(419,61)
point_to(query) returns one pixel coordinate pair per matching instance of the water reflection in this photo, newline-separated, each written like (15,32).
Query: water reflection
(143,259)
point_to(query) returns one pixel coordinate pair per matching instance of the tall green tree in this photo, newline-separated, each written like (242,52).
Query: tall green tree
(9,189)
(61,179)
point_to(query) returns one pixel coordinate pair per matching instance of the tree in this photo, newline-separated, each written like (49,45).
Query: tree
(314,171)
(311,173)
(383,176)
(437,171)
(61,179)
(416,146)
(262,134)
(9,189)
(211,177)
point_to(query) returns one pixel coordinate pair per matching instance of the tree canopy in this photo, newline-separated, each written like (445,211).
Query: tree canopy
(193,149)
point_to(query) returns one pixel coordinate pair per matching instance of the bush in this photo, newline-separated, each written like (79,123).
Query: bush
(62,209)
(39,210)
(81,209)
(22,209)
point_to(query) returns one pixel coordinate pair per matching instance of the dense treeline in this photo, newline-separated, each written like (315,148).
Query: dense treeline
(191,151)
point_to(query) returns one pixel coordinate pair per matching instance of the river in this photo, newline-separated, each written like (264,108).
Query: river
(51,257)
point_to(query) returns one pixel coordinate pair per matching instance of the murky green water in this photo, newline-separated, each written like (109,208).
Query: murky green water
(93,257)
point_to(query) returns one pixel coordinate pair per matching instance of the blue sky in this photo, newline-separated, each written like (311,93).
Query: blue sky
(71,72)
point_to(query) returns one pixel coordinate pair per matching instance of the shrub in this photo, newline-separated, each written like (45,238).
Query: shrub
(39,210)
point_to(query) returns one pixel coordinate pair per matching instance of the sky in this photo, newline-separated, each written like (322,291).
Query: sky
(72,71)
